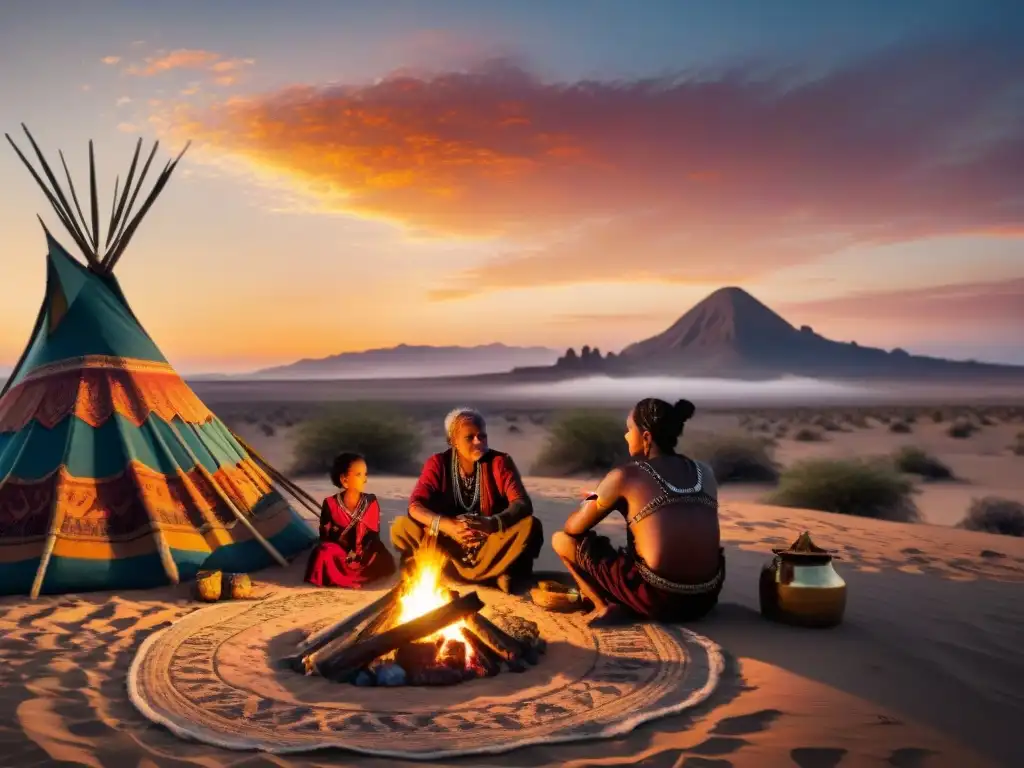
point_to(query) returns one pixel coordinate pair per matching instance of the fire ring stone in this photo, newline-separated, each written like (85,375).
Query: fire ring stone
(212,677)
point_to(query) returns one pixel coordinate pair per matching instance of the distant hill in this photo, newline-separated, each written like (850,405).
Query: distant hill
(730,334)
(405,361)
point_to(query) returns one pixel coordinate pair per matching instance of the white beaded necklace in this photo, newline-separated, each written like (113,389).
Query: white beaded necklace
(457,485)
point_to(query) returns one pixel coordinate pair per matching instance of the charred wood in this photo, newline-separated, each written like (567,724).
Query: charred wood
(341,665)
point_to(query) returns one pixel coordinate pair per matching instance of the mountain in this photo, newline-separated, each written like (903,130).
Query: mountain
(405,361)
(732,334)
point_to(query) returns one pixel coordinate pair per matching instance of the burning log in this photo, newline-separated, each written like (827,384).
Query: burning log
(453,655)
(417,656)
(504,646)
(346,626)
(486,663)
(347,661)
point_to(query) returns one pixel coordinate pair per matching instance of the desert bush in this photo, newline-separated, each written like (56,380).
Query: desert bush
(513,428)
(735,458)
(781,430)
(582,442)
(960,429)
(511,417)
(900,427)
(822,422)
(267,429)
(863,488)
(993,514)
(912,460)
(808,435)
(1017,446)
(858,420)
(938,417)
(389,440)
(984,420)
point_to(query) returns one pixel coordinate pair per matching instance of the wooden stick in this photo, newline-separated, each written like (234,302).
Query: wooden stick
(275,474)
(344,625)
(504,646)
(484,656)
(350,660)
(217,489)
(382,621)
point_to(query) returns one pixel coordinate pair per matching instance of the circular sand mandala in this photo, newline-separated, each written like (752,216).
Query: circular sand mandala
(213,676)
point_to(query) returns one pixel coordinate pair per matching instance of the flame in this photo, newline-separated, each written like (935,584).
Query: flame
(425,591)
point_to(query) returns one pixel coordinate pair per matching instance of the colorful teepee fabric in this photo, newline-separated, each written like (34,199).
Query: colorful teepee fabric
(113,473)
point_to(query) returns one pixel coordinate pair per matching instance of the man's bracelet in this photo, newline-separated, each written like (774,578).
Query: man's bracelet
(435,525)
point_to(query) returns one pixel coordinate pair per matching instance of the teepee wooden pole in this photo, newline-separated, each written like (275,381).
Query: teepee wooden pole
(276,475)
(56,518)
(239,515)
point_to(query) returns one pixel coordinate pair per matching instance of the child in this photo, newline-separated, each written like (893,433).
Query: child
(350,552)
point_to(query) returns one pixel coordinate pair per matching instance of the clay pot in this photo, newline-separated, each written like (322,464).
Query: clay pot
(208,585)
(238,586)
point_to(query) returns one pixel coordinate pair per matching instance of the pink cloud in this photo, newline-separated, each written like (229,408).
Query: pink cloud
(975,305)
(688,179)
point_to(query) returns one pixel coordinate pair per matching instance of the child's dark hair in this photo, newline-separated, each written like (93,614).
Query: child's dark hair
(663,420)
(342,464)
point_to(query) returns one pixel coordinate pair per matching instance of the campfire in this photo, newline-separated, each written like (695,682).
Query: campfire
(419,633)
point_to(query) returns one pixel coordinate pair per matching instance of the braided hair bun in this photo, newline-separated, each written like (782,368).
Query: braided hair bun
(663,420)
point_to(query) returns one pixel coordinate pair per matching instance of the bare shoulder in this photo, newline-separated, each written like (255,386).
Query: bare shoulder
(613,483)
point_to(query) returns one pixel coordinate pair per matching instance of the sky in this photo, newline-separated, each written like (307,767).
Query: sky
(367,174)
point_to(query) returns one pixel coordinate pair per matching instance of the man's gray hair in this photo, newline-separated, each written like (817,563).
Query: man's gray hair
(457,415)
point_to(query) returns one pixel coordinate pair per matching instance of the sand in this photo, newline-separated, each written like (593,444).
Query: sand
(925,671)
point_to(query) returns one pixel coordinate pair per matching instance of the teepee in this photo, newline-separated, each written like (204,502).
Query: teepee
(113,473)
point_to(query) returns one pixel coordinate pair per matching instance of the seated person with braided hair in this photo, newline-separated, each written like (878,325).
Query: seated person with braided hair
(470,502)
(672,567)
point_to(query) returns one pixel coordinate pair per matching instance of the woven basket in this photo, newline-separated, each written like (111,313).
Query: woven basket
(208,585)
(558,597)
(237,586)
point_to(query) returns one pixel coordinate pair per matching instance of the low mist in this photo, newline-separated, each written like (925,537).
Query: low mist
(784,391)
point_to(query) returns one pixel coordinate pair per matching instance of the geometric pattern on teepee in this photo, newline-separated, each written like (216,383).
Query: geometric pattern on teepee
(113,473)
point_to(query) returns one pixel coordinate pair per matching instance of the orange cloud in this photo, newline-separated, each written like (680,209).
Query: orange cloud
(110,59)
(686,179)
(225,71)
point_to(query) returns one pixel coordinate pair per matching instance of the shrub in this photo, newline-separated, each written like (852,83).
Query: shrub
(900,427)
(850,487)
(859,421)
(912,460)
(267,429)
(960,429)
(995,515)
(735,458)
(1017,446)
(808,435)
(825,423)
(389,440)
(582,442)
(938,417)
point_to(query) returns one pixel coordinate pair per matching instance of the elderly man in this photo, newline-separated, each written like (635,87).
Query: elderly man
(470,501)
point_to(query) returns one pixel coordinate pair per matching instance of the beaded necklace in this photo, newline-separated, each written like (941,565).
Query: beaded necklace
(463,487)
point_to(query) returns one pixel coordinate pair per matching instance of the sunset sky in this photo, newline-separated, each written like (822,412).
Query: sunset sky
(531,172)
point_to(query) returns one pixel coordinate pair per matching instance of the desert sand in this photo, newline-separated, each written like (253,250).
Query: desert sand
(925,671)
